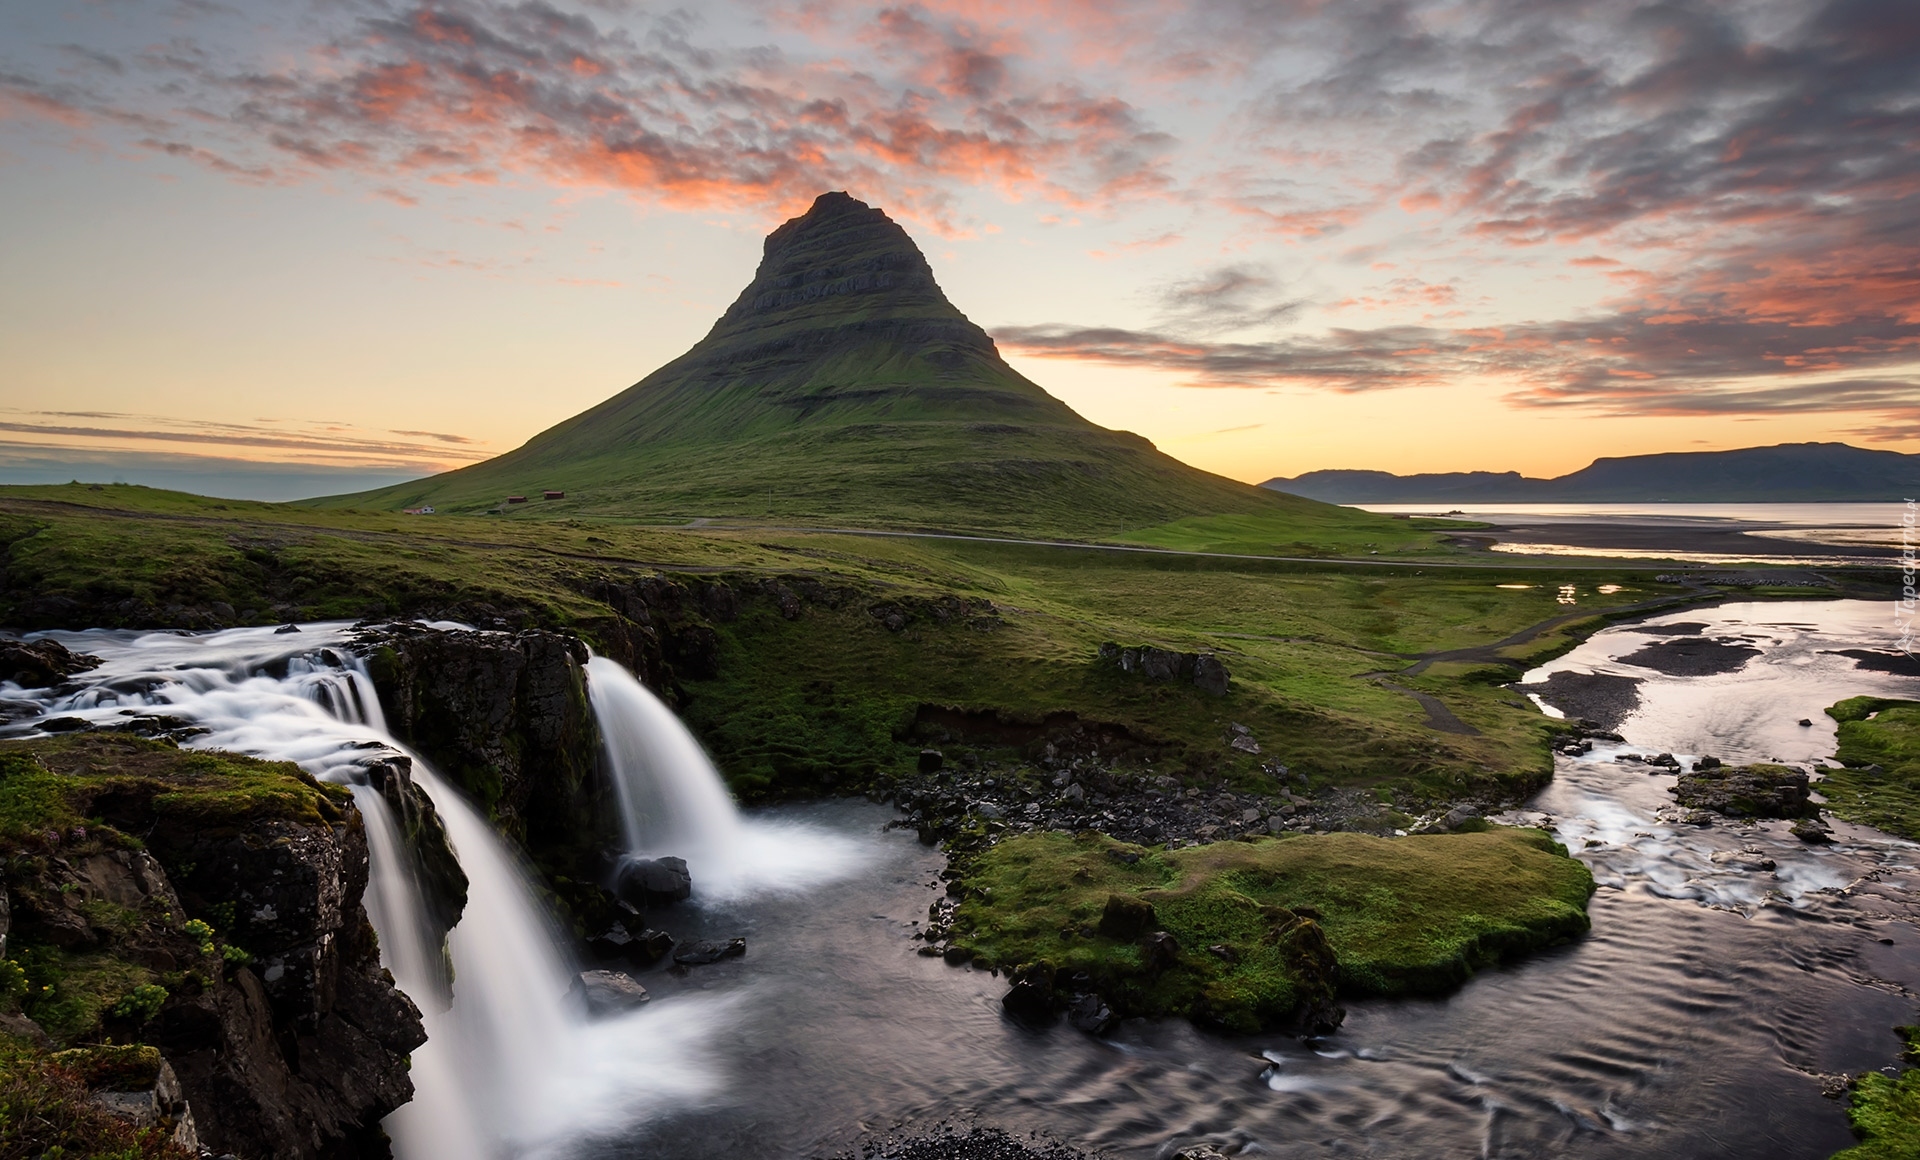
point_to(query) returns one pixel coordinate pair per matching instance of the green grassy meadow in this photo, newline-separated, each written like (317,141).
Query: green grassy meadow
(797,705)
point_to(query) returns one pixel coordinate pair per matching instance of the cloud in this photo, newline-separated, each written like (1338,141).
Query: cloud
(1233,297)
(337,444)
(476,92)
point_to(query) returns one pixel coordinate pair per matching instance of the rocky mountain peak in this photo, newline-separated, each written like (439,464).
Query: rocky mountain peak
(842,258)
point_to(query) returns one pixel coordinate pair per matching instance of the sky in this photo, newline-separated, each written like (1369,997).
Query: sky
(294,247)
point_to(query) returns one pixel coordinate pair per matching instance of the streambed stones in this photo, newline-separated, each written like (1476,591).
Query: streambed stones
(695,954)
(609,992)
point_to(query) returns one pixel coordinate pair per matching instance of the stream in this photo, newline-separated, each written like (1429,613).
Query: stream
(1697,1019)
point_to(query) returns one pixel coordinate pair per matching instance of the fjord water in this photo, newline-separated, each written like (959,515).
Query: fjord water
(1692,1021)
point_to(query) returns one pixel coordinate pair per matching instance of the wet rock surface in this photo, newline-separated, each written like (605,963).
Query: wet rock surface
(424,836)
(646,883)
(608,992)
(1751,791)
(701,952)
(503,716)
(41,663)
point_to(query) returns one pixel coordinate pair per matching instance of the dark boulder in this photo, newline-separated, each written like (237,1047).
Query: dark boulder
(1126,918)
(650,946)
(1090,1013)
(1750,791)
(617,942)
(608,992)
(700,953)
(1159,951)
(1030,999)
(931,760)
(653,882)
(1812,831)
(41,663)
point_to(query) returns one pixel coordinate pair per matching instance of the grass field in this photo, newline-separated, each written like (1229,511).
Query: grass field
(829,692)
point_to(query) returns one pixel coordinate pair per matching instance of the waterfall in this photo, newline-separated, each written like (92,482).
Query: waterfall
(674,802)
(511,1067)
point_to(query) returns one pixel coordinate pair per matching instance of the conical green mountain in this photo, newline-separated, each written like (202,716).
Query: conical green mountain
(842,388)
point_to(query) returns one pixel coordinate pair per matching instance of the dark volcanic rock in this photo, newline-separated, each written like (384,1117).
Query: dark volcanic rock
(299,1054)
(504,716)
(1203,670)
(1031,998)
(41,663)
(1751,791)
(700,953)
(651,882)
(1090,1013)
(422,834)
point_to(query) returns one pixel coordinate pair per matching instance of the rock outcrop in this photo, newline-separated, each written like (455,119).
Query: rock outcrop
(1202,670)
(504,717)
(240,904)
(41,663)
(1749,791)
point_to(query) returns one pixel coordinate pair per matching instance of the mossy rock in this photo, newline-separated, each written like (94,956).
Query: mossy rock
(1267,931)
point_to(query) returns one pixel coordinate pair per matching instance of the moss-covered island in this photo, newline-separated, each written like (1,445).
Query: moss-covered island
(1266,932)
(1879,749)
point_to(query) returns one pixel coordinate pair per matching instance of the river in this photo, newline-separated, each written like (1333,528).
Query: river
(1697,1019)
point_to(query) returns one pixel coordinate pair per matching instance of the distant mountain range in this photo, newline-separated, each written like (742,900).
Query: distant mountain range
(842,387)
(1786,473)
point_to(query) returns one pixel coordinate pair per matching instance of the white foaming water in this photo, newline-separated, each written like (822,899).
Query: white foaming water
(511,1067)
(673,802)
(1609,812)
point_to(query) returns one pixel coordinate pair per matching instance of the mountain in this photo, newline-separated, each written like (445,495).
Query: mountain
(1787,473)
(842,387)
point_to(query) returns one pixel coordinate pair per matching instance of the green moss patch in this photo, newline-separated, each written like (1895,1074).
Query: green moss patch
(1885,1110)
(1886,733)
(1400,916)
(58,784)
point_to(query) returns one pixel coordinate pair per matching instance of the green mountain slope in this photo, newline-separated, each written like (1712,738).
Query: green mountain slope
(842,387)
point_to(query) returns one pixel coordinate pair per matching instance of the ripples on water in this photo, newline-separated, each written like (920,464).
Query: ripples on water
(1696,1020)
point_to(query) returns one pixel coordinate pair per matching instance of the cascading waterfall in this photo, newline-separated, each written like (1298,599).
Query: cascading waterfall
(674,802)
(511,1066)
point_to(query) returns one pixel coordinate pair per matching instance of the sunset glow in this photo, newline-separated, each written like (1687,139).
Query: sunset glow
(1272,237)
